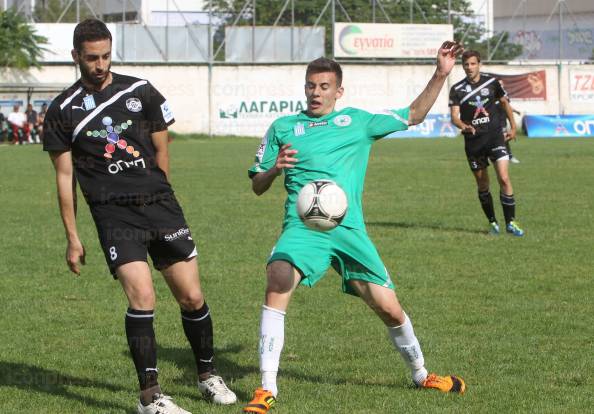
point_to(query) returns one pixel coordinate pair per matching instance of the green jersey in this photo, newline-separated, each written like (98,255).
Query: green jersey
(334,147)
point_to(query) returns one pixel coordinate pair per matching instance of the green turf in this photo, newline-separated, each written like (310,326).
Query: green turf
(512,316)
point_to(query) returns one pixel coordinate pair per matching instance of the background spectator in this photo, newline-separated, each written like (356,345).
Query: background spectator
(40,119)
(33,122)
(18,123)
(3,128)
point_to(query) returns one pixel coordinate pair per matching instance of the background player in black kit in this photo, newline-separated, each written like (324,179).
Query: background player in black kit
(110,131)
(474,109)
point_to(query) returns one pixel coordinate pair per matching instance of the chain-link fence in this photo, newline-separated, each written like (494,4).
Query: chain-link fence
(281,31)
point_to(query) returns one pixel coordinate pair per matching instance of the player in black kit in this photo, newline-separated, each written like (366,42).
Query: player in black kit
(474,109)
(110,132)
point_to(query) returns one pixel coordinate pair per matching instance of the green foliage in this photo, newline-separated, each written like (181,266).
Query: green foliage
(49,11)
(513,316)
(20,47)
(306,12)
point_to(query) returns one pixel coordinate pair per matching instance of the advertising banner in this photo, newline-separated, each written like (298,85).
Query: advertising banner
(581,85)
(531,86)
(557,126)
(375,40)
(434,126)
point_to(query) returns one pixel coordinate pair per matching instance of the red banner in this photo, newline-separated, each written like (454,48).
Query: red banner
(531,86)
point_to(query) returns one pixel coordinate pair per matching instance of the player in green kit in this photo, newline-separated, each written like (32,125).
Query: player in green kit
(321,143)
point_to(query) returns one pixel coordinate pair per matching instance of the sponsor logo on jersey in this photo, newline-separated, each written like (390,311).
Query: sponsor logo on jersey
(479,121)
(184,231)
(479,104)
(111,133)
(468,88)
(262,147)
(166,111)
(314,124)
(89,102)
(133,104)
(342,120)
(299,129)
(484,91)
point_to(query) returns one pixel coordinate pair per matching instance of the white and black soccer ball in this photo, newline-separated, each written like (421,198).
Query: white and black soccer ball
(322,205)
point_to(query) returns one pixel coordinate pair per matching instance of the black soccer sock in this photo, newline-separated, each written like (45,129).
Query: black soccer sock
(487,205)
(198,328)
(509,207)
(143,346)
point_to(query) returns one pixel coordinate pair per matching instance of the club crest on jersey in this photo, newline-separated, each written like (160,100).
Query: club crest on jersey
(299,129)
(342,120)
(133,104)
(484,91)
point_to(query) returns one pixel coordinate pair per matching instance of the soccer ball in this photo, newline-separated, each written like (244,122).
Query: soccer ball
(322,205)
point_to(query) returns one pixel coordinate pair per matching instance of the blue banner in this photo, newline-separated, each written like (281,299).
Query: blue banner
(434,126)
(11,102)
(555,126)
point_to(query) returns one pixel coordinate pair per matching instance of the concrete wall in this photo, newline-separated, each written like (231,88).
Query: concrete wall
(244,100)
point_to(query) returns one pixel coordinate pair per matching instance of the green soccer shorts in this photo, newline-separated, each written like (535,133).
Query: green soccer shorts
(350,252)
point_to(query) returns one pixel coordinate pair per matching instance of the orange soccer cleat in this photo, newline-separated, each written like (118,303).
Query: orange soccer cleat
(448,383)
(261,403)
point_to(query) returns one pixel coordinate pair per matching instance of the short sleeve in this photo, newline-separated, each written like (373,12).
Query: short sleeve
(57,130)
(384,123)
(499,91)
(453,100)
(266,154)
(157,111)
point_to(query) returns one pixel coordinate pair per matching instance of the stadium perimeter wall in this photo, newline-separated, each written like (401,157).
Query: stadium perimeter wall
(245,99)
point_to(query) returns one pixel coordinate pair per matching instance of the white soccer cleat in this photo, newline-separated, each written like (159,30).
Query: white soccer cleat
(214,389)
(162,404)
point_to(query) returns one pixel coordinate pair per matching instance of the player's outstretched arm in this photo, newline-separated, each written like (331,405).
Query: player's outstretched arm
(446,59)
(75,252)
(262,181)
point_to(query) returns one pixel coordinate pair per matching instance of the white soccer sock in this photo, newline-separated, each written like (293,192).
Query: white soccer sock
(404,340)
(272,338)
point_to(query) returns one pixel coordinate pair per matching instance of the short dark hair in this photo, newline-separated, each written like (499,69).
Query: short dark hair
(323,64)
(470,53)
(89,30)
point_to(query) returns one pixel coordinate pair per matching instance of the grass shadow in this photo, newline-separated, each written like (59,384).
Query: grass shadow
(32,378)
(409,225)
(183,358)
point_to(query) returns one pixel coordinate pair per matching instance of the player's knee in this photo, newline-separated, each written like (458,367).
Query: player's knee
(280,277)
(190,301)
(504,181)
(142,299)
(390,312)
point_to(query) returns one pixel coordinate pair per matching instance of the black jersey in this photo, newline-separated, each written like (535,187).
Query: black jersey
(479,103)
(109,134)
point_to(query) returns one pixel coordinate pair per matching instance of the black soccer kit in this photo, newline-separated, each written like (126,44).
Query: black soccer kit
(131,201)
(479,107)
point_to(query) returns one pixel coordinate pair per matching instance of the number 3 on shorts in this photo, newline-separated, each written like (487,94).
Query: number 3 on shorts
(112,253)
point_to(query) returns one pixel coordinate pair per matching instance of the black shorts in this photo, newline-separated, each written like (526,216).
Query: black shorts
(128,232)
(482,148)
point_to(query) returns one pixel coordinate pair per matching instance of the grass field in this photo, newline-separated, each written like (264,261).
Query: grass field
(513,316)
